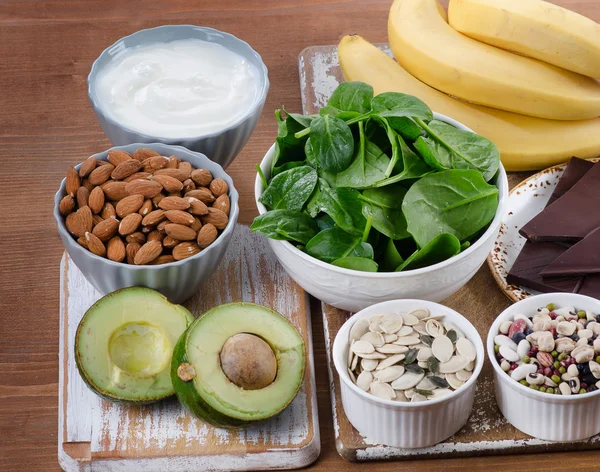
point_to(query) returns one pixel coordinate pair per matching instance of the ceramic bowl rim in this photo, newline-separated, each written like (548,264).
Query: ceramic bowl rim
(208,164)
(511,311)
(448,313)
(258,101)
(492,229)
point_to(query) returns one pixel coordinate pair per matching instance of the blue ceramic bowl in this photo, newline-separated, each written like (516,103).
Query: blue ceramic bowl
(222,146)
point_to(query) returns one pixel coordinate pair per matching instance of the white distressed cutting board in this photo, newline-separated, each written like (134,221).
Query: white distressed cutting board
(95,435)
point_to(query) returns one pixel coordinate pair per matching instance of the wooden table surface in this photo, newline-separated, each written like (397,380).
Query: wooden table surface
(46,124)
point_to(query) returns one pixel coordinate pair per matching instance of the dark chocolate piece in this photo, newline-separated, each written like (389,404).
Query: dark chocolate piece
(575,170)
(571,217)
(532,259)
(581,259)
(590,286)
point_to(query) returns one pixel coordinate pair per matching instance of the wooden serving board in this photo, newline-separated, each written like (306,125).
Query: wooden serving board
(487,432)
(100,436)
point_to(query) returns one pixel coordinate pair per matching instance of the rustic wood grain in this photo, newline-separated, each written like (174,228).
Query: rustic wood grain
(46,124)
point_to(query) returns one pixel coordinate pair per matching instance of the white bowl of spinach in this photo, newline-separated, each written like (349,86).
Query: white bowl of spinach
(378,198)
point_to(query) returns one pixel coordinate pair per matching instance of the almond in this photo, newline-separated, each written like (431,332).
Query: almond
(115,249)
(87,184)
(156,200)
(72,183)
(186,167)
(173,162)
(181,232)
(125,169)
(174,203)
(218,187)
(130,204)
(74,224)
(96,200)
(138,175)
(162,224)
(82,242)
(164,259)
(197,207)
(170,184)
(66,205)
(155,235)
(102,163)
(116,157)
(207,235)
(155,163)
(86,217)
(144,153)
(130,224)
(137,237)
(147,188)
(87,166)
(197,224)
(179,216)
(115,191)
(153,218)
(101,174)
(170,242)
(188,185)
(148,252)
(215,217)
(97,219)
(131,250)
(108,210)
(106,229)
(146,207)
(222,203)
(95,245)
(202,177)
(175,194)
(203,194)
(179,174)
(185,250)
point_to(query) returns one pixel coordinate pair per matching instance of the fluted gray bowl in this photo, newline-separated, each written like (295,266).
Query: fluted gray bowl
(178,280)
(221,146)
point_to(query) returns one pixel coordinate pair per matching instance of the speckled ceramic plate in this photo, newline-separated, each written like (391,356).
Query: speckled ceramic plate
(524,202)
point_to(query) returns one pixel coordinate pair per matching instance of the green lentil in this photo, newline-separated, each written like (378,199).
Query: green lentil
(542,389)
(562,370)
(551,306)
(556,364)
(526,359)
(598,359)
(554,354)
(582,390)
(549,390)
(556,379)
(561,356)
(581,314)
(534,387)
(523,382)
(496,348)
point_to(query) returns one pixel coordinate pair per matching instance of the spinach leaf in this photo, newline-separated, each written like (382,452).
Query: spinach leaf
(356,263)
(286,225)
(287,166)
(324,221)
(362,249)
(302,120)
(405,127)
(393,139)
(290,189)
(331,244)
(440,248)
(391,258)
(343,205)
(458,202)
(412,166)
(332,143)
(383,205)
(447,147)
(311,159)
(400,105)
(368,167)
(287,146)
(352,96)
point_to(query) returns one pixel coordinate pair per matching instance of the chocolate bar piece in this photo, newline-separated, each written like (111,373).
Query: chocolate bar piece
(575,170)
(571,217)
(581,259)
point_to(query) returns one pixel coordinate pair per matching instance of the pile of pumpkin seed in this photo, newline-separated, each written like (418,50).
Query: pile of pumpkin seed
(411,356)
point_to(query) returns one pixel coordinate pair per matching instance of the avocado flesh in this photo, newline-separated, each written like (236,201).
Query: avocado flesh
(204,341)
(124,344)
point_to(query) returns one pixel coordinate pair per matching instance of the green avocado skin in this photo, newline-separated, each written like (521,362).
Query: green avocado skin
(189,397)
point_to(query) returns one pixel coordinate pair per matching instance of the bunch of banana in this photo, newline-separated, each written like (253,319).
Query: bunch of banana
(537,113)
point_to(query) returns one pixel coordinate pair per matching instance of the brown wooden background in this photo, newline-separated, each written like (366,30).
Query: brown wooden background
(46,124)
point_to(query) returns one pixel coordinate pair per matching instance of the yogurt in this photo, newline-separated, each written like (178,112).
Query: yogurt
(178,89)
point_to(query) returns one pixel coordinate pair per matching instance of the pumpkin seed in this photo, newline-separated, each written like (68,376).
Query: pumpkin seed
(407,380)
(420,328)
(409,393)
(438,381)
(420,313)
(374,338)
(358,329)
(427,340)
(454,381)
(425,393)
(364,380)
(391,349)
(368,364)
(391,323)
(470,366)
(418,398)
(373,355)
(390,361)
(466,349)
(433,364)
(442,348)
(452,336)
(424,353)
(439,393)
(374,323)
(382,390)
(354,363)
(350,354)
(411,356)
(414,368)
(405,331)
(407,340)
(400,397)
(352,376)
(389,374)
(408,319)
(455,364)
(451,326)
(434,328)
(422,364)
(362,347)
(463,375)
(389,338)
(426,384)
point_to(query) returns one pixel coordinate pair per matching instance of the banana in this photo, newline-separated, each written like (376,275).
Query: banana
(427,47)
(534,28)
(525,143)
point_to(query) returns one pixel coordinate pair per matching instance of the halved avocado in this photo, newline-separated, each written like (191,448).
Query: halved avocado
(124,344)
(237,364)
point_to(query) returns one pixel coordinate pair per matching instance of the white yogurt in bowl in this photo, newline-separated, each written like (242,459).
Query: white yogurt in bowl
(178,89)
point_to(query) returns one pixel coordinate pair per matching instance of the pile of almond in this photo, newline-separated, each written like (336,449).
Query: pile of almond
(144,208)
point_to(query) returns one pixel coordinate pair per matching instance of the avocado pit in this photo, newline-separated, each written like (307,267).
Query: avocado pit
(248,361)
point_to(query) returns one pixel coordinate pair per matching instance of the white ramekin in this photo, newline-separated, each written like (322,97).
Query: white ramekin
(545,416)
(404,424)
